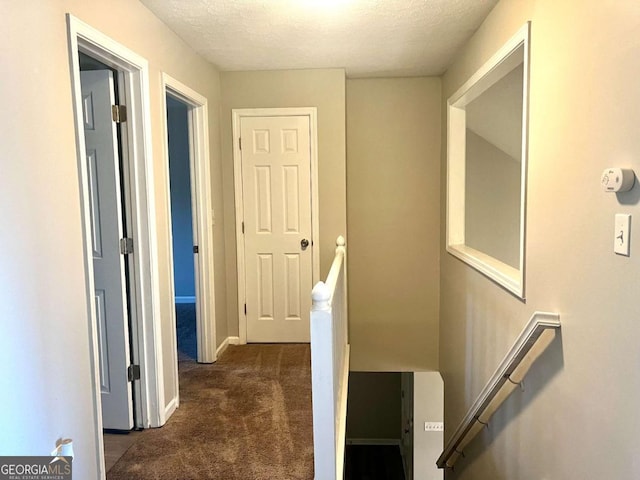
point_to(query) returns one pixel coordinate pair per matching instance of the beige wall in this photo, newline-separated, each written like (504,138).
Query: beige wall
(324,89)
(585,57)
(496,115)
(44,336)
(393,208)
(492,200)
(374,406)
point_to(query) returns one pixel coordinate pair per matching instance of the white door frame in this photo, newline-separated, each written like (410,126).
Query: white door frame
(203,215)
(145,311)
(237,115)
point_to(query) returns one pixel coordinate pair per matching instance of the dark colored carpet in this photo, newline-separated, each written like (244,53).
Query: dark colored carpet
(246,417)
(186,331)
(373,462)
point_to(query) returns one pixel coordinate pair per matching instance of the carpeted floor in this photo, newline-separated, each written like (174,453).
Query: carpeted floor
(246,417)
(186,331)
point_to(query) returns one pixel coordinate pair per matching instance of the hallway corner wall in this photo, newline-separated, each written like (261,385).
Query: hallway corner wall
(393,213)
(583,118)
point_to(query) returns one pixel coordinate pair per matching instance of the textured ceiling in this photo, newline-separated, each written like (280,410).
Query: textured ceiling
(366,37)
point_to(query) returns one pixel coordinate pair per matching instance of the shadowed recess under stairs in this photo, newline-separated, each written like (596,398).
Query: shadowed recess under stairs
(248,416)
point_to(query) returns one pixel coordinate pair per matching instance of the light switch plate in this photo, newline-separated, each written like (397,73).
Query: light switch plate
(621,234)
(433,426)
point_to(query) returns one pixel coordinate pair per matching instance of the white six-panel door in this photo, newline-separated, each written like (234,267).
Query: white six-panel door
(108,263)
(276,181)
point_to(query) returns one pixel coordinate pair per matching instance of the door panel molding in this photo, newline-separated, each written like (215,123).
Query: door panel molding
(203,219)
(237,115)
(139,177)
(109,265)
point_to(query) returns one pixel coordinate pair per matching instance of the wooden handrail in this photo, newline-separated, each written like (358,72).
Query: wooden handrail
(532,341)
(336,266)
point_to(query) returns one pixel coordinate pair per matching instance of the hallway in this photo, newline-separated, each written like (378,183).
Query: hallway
(246,416)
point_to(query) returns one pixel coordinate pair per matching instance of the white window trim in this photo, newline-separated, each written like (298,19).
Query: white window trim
(512,279)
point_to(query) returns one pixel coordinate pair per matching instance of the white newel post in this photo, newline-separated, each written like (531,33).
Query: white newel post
(322,374)
(320,296)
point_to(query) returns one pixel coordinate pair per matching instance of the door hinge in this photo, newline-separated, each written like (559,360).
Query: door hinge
(240,143)
(119,113)
(243,227)
(126,246)
(133,372)
(245,308)
(195,249)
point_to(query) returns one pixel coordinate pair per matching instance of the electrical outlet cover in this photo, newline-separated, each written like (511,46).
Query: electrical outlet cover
(433,426)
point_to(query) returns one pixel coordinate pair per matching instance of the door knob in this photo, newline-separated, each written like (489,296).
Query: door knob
(304,243)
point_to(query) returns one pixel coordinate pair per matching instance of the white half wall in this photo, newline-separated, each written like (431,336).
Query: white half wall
(428,406)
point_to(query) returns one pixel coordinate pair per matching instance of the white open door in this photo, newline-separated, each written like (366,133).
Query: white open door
(108,262)
(276,185)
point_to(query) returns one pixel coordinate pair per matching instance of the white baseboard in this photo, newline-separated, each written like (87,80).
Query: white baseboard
(225,343)
(185,299)
(169,409)
(223,346)
(374,441)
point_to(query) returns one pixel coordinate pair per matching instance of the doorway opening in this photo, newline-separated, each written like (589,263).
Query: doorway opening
(131,185)
(192,220)
(377,419)
(184,246)
(395,425)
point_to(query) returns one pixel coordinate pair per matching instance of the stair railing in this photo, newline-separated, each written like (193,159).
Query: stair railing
(330,368)
(536,336)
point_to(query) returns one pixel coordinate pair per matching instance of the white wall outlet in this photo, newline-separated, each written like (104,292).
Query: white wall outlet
(621,234)
(434,426)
